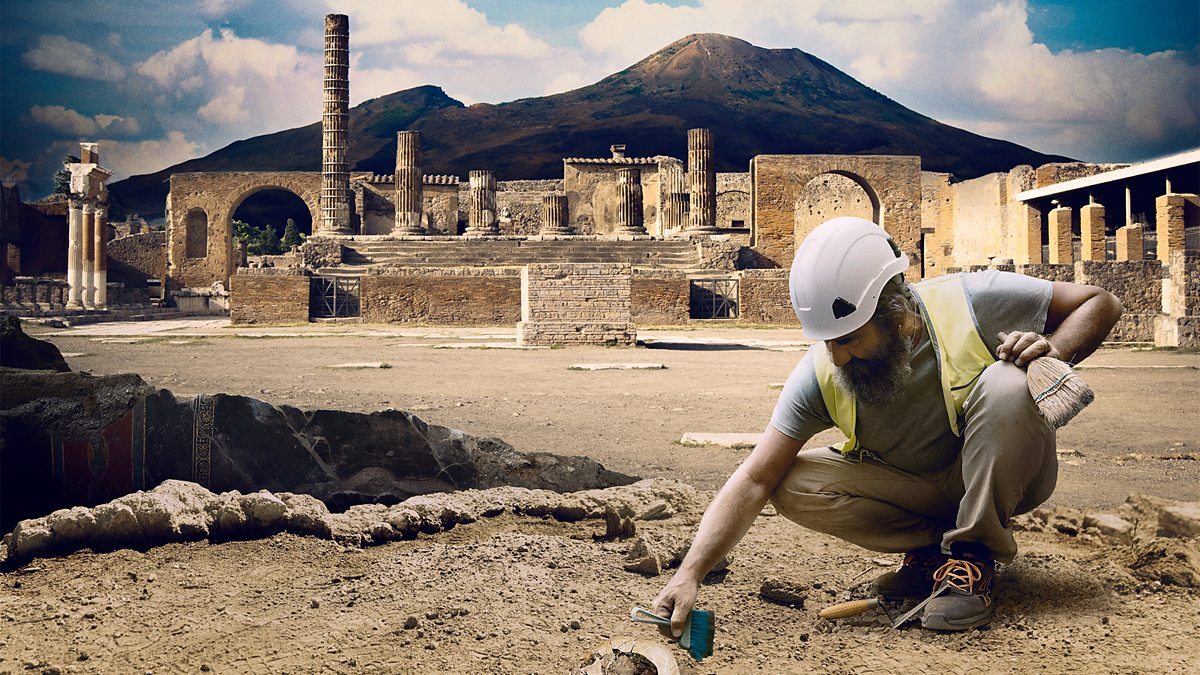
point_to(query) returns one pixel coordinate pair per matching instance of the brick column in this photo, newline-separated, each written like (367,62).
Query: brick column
(100,269)
(1061,252)
(1091,230)
(75,255)
(702,181)
(1029,236)
(629,202)
(1129,243)
(481,205)
(554,216)
(408,183)
(88,269)
(1169,219)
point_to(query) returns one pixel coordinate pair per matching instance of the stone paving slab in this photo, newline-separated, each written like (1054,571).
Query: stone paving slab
(728,440)
(617,366)
(361,364)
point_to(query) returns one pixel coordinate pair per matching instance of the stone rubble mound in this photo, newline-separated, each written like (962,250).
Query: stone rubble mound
(1161,535)
(184,511)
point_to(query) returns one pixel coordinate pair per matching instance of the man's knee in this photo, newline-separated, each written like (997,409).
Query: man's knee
(1003,388)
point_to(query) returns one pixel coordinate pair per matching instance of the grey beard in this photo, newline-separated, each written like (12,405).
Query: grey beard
(880,380)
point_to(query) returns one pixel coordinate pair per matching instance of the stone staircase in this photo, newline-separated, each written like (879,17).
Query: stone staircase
(80,317)
(362,255)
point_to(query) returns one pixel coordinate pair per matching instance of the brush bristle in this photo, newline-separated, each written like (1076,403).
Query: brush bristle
(703,630)
(1059,392)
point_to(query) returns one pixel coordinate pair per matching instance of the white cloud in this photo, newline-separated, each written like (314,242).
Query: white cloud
(127,158)
(217,8)
(13,171)
(57,54)
(72,123)
(946,59)
(227,107)
(443,28)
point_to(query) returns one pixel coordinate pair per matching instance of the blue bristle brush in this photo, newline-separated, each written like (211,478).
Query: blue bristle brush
(698,630)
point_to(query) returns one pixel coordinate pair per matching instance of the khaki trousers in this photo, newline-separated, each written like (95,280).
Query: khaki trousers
(1007,466)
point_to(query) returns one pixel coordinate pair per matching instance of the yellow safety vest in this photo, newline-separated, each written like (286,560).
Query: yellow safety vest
(961,356)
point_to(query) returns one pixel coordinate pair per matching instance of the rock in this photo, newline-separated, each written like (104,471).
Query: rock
(784,592)
(411,622)
(651,554)
(1168,561)
(1110,525)
(18,350)
(1181,520)
(615,526)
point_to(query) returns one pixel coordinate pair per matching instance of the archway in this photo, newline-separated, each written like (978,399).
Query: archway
(271,207)
(830,195)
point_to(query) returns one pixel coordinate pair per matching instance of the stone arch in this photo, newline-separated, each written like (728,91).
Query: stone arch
(733,206)
(219,195)
(196,223)
(892,183)
(831,194)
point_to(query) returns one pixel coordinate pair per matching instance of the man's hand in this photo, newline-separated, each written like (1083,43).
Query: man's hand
(676,601)
(1021,347)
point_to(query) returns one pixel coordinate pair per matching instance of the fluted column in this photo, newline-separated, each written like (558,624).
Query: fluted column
(629,202)
(554,216)
(100,269)
(88,269)
(702,183)
(481,205)
(335,171)
(75,254)
(675,198)
(408,183)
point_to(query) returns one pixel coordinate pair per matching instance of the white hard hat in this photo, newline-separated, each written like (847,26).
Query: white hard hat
(838,273)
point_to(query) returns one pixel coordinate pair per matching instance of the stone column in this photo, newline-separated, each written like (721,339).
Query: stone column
(408,184)
(100,270)
(75,255)
(1029,234)
(1129,243)
(702,183)
(554,216)
(1169,221)
(335,171)
(481,205)
(630,219)
(1091,231)
(88,269)
(675,198)
(1061,251)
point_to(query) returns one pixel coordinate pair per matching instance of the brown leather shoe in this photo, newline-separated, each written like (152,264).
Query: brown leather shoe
(914,579)
(967,600)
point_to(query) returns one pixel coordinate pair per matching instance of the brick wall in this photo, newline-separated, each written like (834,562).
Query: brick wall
(135,258)
(1048,272)
(1138,284)
(763,298)
(268,296)
(659,298)
(576,303)
(442,296)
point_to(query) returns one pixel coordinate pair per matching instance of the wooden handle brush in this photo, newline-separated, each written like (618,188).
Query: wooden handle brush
(844,610)
(1058,391)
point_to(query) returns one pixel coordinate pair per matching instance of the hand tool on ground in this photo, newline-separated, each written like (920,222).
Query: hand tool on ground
(845,610)
(698,630)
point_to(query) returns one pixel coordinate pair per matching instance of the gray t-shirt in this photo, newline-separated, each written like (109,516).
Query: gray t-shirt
(912,433)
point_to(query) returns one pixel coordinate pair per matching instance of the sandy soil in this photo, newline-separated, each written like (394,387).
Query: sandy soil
(304,605)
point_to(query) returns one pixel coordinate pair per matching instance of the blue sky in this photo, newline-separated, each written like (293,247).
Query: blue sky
(160,82)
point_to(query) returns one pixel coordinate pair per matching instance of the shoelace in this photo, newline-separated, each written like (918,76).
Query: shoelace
(961,575)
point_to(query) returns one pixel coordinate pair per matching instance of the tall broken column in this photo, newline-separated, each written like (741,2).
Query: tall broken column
(100,266)
(87,271)
(75,253)
(87,242)
(675,197)
(630,220)
(702,184)
(335,171)
(409,216)
(554,216)
(481,205)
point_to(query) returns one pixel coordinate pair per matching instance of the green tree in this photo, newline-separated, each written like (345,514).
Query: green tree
(62,177)
(291,236)
(259,240)
(270,241)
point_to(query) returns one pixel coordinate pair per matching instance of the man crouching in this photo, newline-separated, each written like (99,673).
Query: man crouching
(927,381)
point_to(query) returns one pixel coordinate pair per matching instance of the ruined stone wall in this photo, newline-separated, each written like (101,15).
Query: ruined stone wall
(1138,284)
(778,180)
(576,303)
(830,195)
(979,214)
(377,207)
(1045,271)
(1049,174)
(268,296)
(592,201)
(463,296)
(1181,326)
(733,199)
(763,298)
(937,222)
(135,258)
(518,205)
(659,297)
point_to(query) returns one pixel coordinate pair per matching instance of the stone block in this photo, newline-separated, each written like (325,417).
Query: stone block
(1092,232)
(1181,520)
(1060,236)
(1129,243)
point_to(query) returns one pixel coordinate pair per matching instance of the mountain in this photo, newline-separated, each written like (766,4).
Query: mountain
(756,101)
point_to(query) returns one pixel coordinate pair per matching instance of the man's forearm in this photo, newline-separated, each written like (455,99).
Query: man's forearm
(727,519)
(1084,329)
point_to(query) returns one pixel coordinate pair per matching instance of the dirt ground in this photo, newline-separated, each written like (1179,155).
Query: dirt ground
(515,594)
